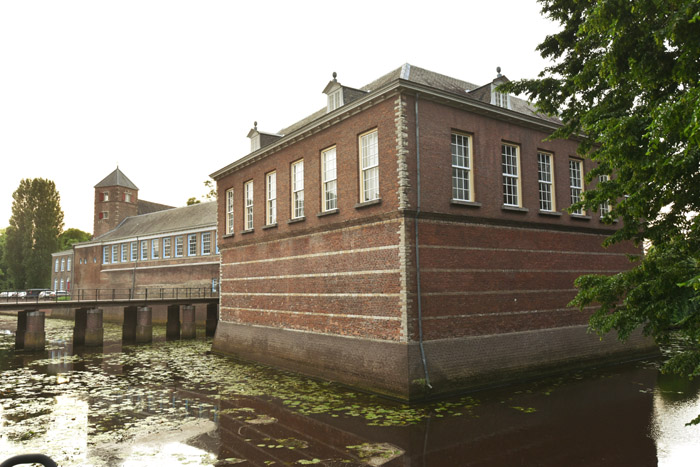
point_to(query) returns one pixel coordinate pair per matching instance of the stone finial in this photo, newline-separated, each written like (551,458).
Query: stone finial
(498,70)
(255,125)
(335,76)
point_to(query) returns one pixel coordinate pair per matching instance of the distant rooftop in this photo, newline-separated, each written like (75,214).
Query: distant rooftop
(117,178)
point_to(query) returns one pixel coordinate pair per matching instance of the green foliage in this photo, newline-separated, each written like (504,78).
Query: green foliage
(36,222)
(624,80)
(71,236)
(4,281)
(192,200)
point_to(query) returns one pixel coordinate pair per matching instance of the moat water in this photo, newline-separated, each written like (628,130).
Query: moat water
(175,403)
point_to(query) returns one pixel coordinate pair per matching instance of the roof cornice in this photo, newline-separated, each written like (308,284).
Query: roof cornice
(379,95)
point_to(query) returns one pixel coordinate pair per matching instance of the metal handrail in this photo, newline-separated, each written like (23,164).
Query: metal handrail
(113,294)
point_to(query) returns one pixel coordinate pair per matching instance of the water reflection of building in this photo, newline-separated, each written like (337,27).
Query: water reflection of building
(324,225)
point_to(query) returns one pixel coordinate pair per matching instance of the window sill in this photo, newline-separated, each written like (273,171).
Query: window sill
(582,217)
(514,208)
(230,235)
(328,213)
(296,219)
(270,226)
(459,202)
(549,213)
(368,203)
(244,232)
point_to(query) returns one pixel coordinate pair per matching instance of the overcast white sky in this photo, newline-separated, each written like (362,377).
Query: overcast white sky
(169,89)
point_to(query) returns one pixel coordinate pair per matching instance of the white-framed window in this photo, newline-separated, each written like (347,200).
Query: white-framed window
(63,264)
(125,252)
(248,200)
(104,215)
(115,253)
(155,249)
(335,99)
(55,267)
(229,211)
(166,247)
(297,189)
(462,180)
(134,251)
(271,198)
(105,196)
(192,245)
(127,196)
(61,286)
(144,249)
(369,167)
(179,246)
(576,182)
(605,206)
(510,163)
(68,264)
(206,243)
(216,241)
(545,179)
(329,180)
(55,284)
(500,99)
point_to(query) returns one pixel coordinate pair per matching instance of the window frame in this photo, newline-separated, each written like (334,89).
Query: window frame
(248,204)
(508,189)
(297,188)
(464,168)
(271,198)
(134,251)
(205,251)
(144,250)
(328,204)
(229,212)
(155,250)
(368,153)
(192,245)
(605,205)
(115,254)
(546,187)
(167,242)
(124,252)
(576,191)
(179,246)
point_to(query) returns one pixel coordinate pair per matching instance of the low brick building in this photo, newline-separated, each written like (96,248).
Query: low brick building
(412,238)
(62,270)
(142,245)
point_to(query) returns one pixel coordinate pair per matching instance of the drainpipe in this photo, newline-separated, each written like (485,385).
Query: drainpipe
(418,289)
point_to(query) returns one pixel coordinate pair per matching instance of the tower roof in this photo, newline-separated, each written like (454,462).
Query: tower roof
(117,178)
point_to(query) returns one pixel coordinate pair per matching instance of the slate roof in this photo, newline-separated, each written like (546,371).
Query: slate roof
(147,207)
(117,178)
(191,217)
(408,72)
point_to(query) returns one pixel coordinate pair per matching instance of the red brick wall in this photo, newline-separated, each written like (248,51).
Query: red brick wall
(117,208)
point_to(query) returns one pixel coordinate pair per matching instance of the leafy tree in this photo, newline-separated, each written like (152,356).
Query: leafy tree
(192,200)
(210,195)
(624,78)
(4,283)
(70,237)
(36,222)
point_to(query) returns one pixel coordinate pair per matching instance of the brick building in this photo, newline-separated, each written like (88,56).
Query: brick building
(62,270)
(140,244)
(412,238)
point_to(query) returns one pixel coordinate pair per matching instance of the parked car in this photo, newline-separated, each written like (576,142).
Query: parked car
(33,294)
(22,294)
(47,294)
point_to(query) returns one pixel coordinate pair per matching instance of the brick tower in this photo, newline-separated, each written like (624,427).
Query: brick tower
(116,198)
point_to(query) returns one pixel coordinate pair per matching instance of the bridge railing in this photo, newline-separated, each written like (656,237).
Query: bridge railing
(135,295)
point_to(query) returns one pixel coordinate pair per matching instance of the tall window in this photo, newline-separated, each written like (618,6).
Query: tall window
(271,198)
(462,183)
(105,196)
(127,196)
(329,180)
(179,246)
(105,255)
(144,249)
(63,264)
(605,206)
(191,244)
(206,243)
(166,247)
(55,268)
(298,189)
(369,167)
(545,178)
(229,211)
(248,200)
(125,252)
(134,251)
(68,264)
(115,253)
(510,161)
(576,182)
(155,250)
